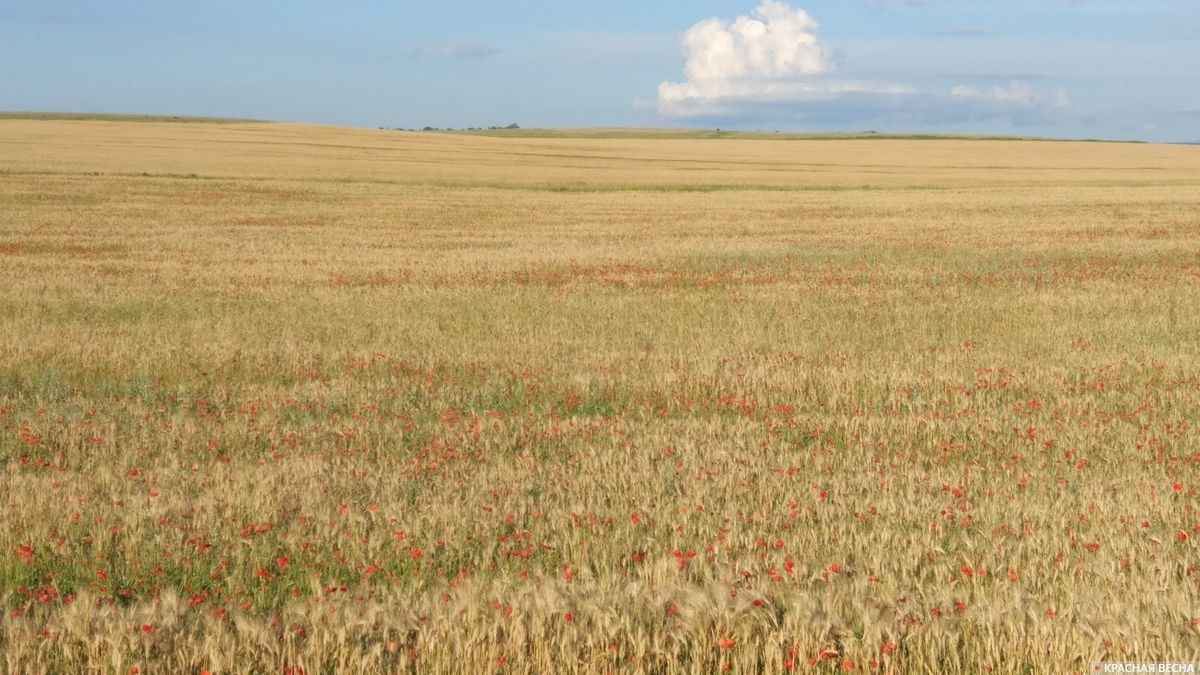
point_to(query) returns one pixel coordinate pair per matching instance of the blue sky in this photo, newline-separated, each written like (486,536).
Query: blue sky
(1074,68)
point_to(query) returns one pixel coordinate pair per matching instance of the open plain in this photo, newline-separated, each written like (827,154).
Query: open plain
(287,398)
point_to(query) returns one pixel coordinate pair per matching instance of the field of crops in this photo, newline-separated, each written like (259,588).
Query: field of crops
(280,398)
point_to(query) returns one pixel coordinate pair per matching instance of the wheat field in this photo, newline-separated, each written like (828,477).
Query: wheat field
(279,398)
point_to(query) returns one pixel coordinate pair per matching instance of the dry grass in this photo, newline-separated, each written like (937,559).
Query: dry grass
(279,396)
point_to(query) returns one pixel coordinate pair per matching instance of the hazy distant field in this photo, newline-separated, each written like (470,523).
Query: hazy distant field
(281,396)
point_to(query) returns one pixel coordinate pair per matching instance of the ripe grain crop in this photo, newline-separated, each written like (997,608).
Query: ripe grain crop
(286,398)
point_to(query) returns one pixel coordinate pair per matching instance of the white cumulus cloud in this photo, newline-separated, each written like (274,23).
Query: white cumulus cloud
(776,41)
(769,56)
(772,65)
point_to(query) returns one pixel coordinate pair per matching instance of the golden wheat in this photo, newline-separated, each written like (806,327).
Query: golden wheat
(286,398)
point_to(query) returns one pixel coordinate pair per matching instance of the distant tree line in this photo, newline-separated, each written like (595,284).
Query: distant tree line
(514,125)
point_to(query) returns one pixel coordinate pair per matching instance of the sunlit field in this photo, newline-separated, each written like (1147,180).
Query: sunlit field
(280,398)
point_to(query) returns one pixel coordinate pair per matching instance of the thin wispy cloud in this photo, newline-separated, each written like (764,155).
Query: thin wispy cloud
(962,32)
(890,4)
(50,18)
(1017,94)
(456,51)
